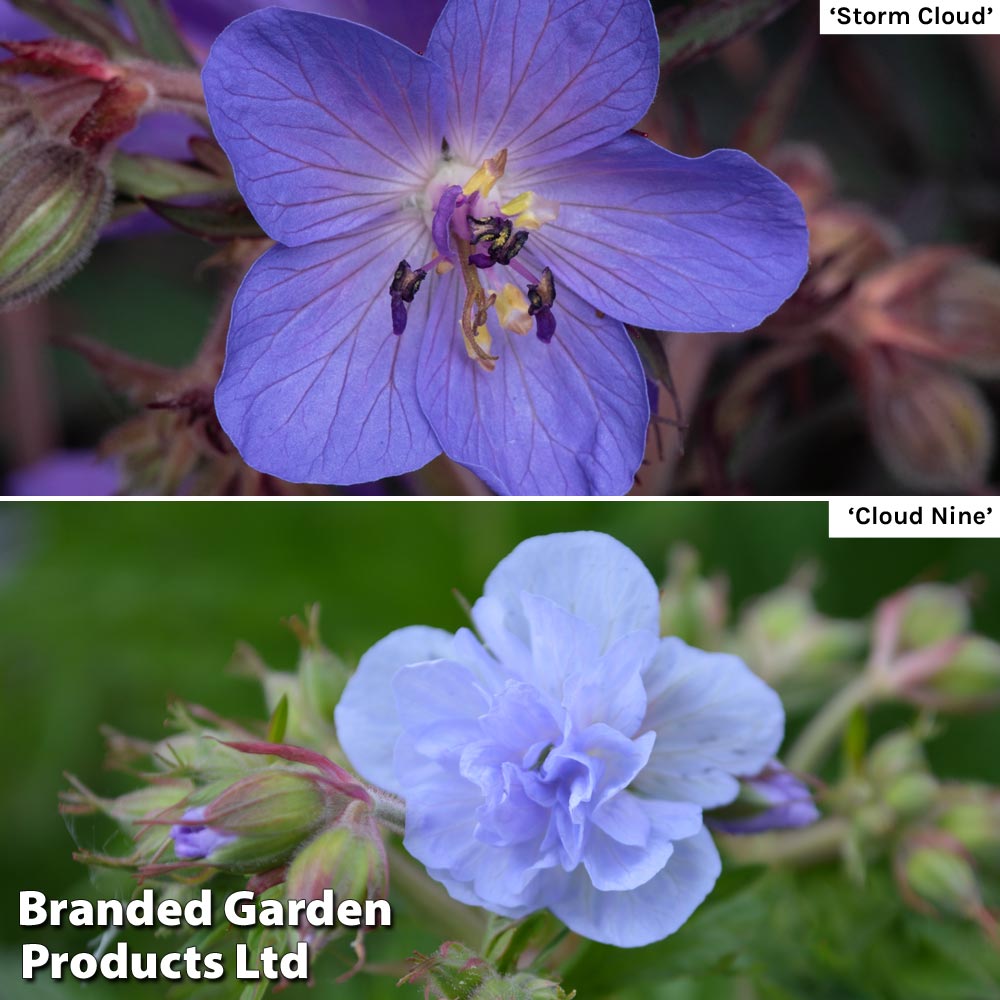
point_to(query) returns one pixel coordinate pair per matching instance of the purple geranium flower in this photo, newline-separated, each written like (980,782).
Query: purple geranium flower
(67,474)
(462,237)
(775,799)
(562,757)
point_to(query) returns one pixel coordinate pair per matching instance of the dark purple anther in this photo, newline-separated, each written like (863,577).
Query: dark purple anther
(192,839)
(498,232)
(540,300)
(405,284)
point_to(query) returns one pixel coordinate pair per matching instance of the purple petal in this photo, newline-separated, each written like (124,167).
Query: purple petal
(668,242)
(545,79)
(18,27)
(67,474)
(329,125)
(407,22)
(635,917)
(565,418)
(315,386)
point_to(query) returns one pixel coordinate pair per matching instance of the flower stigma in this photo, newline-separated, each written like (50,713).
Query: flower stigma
(474,230)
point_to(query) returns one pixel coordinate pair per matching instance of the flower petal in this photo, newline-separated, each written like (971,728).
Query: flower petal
(315,387)
(543,78)
(713,719)
(668,242)
(328,124)
(589,574)
(565,418)
(651,911)
(403,20)
(366,719)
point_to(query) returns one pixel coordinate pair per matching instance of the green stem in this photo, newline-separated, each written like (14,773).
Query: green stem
(816,740)
(820,842)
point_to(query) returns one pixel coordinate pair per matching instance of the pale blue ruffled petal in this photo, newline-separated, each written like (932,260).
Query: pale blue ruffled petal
(713,718)
(366,719)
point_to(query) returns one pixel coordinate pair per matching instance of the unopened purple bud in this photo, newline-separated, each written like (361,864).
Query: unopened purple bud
(193,839)
(773,800)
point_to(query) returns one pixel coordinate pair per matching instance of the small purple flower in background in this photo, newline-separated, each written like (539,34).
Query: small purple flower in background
(563,757)
(462,238)
(772,800)
(193,839)
(67,474)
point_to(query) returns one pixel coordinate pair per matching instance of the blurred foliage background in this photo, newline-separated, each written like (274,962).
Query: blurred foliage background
(107,611)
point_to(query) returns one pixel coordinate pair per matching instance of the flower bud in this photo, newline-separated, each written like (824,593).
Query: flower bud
(772,800)
(911,795)
(53,201)
(932,613)
(895,755)
(348,857)
(18,125)
(974,821)
(845,243)
(946,297)
(940,876)
(806,170)
(972,675)
(255,824)
(933,428)
(692,607)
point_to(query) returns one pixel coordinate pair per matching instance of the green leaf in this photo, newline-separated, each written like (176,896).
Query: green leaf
(228,219)
(84,20)
(157,31)
(690,34)
(138,176)
(279,721)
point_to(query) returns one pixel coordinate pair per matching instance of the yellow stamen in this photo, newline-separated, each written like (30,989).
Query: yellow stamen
(531,211)
(487,175)
(512,310)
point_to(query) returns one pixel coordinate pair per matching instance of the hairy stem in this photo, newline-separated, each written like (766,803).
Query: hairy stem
(819,736)
(822,841)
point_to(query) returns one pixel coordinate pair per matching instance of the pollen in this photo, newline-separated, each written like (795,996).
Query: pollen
(478,347)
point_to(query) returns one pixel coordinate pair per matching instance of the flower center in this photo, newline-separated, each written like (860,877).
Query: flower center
(478,232)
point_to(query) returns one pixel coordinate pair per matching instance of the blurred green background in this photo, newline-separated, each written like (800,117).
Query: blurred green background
(107,610)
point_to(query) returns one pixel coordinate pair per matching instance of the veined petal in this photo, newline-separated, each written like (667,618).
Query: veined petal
(366,719)
(651,911)
(567,418)
(403,20)
(328,124)
(589,574)
(544,78)
(316,388)
(663,241)
(713,718)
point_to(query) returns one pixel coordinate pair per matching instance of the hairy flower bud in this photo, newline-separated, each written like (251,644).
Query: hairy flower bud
(939,875)
(255,824)
(18,124)
(348,858)
(53,201)
(944,296)
(806,170)
(845,242)
(972,675)
(933,428)
(932,613)
(692,607)
(973,819)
